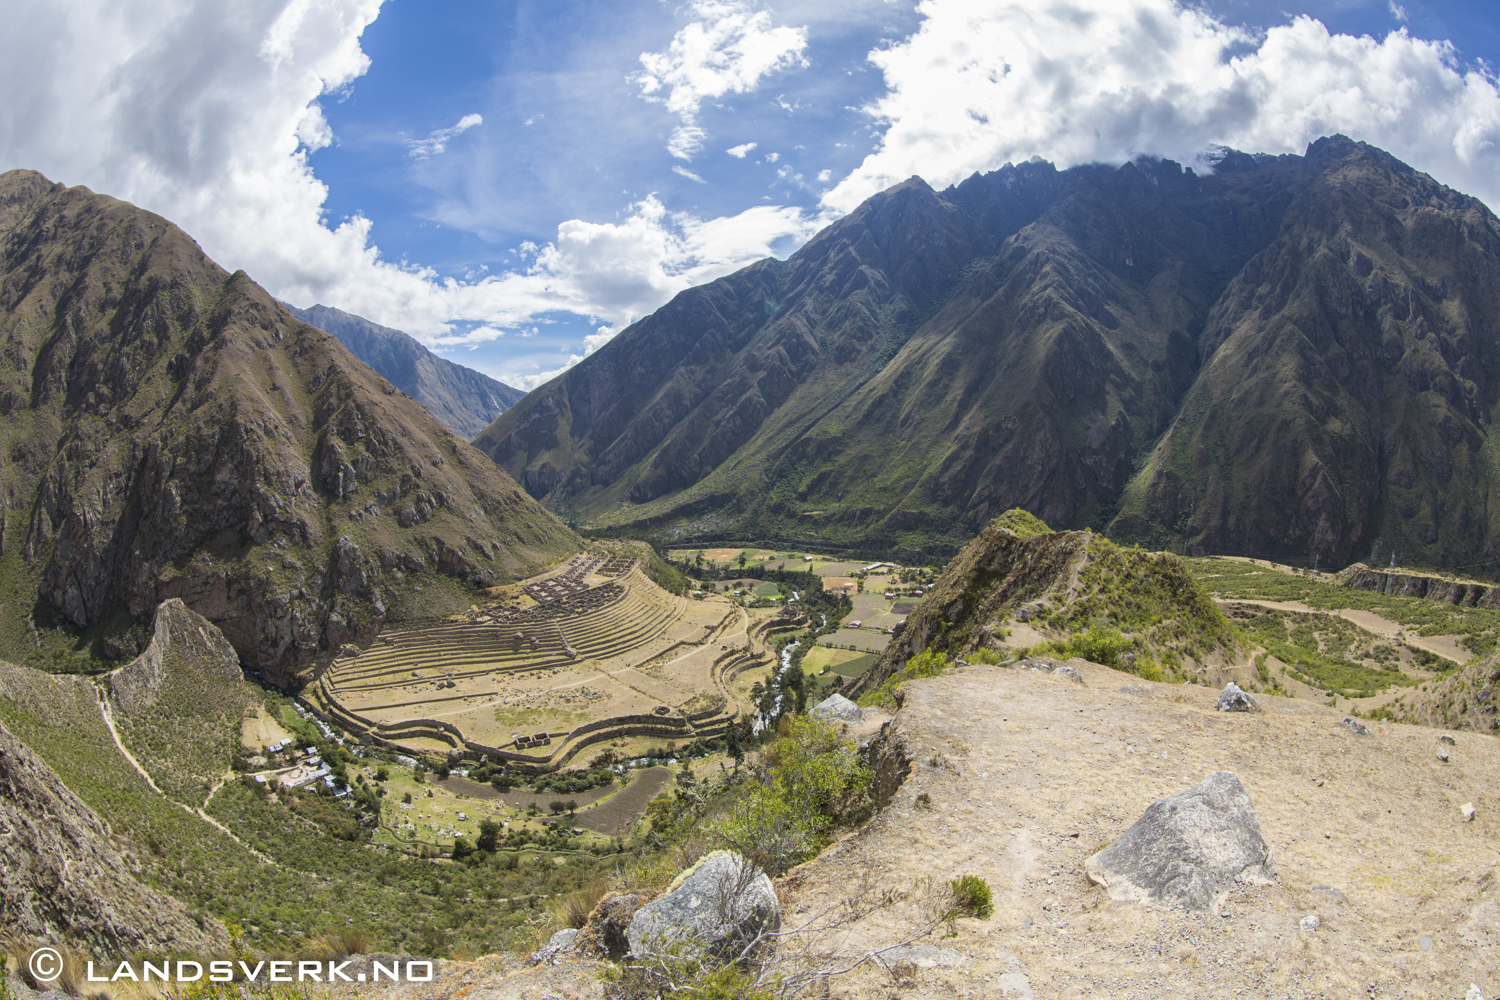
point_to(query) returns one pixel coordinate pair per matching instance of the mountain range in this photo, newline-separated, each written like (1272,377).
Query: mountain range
(1289,356)
(464,400)
(167,429)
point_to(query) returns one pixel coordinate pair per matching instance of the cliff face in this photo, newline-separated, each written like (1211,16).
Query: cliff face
(169,430)
(464,400)
(61,878)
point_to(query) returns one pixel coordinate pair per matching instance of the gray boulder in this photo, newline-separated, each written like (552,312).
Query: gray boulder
(837,708)
(1188,850)
(561,945)
(1232,699)
(1069,672)
(719,906)
(1355,726)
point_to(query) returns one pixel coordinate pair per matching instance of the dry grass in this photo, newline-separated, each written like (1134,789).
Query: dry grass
(573,909)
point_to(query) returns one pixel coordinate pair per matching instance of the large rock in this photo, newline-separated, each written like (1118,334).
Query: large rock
(837,708)
(1233,699)
(1188,849)
(718,906)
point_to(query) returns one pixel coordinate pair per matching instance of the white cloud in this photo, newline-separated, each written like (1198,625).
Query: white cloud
(729,49)
(738,152)
(824,176)
(205,112)
(685,172)
(772,157)
(983,83)
(1397,11)
(437,142)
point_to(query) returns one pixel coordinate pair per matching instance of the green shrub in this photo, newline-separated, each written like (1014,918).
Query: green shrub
(813,783)
(1097,645)
(971,897)
(1023,523)
(927,663)
(986,656)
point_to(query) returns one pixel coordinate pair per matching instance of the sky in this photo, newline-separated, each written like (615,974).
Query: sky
(514,182)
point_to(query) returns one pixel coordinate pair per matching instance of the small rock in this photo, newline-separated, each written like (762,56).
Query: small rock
(1232,699)
(1448,740)
(558,946)
(1468,811)
(1442,754)
(1310,923)
(1136,689)
(1069,672)
(1425,943)
(1329,890)
(1355,726)
(838,708)
(1475,993)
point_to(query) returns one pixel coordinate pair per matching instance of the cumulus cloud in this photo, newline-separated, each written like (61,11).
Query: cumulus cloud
(437,142)
(738,152)
(728,50)
(984,82)
(206,113)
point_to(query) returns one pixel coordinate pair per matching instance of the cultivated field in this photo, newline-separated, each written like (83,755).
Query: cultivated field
(593,653)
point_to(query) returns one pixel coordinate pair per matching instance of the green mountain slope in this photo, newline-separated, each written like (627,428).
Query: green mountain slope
(169,430)
(464,400)
(923,364)
(1345,408)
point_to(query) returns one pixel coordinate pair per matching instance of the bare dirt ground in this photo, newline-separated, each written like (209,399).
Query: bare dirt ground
(1029,774)
(262,731)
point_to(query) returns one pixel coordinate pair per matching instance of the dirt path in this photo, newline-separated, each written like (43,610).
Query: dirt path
(1449,647)
(107,712)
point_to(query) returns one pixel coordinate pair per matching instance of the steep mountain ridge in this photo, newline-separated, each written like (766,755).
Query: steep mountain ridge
(921,365)
(464,400)
(169,430)
(1351,376)
(1287,356)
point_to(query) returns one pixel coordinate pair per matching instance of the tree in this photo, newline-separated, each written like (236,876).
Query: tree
(461,849)
(572,806)
(736,748)
(489,836)
(743,559)
(556,806)
(383,774)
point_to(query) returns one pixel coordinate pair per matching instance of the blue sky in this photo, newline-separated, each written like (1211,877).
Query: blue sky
(514,182)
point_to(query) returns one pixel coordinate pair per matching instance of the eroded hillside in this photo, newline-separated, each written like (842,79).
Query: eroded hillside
(169,430)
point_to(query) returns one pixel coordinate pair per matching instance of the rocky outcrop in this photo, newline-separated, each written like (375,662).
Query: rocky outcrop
(168,430)
(1188,849)
(1460,593)
(720,906)
(177,633)
(61,878)
(1017,570)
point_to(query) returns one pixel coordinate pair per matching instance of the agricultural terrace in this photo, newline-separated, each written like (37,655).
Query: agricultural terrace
(590,652)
